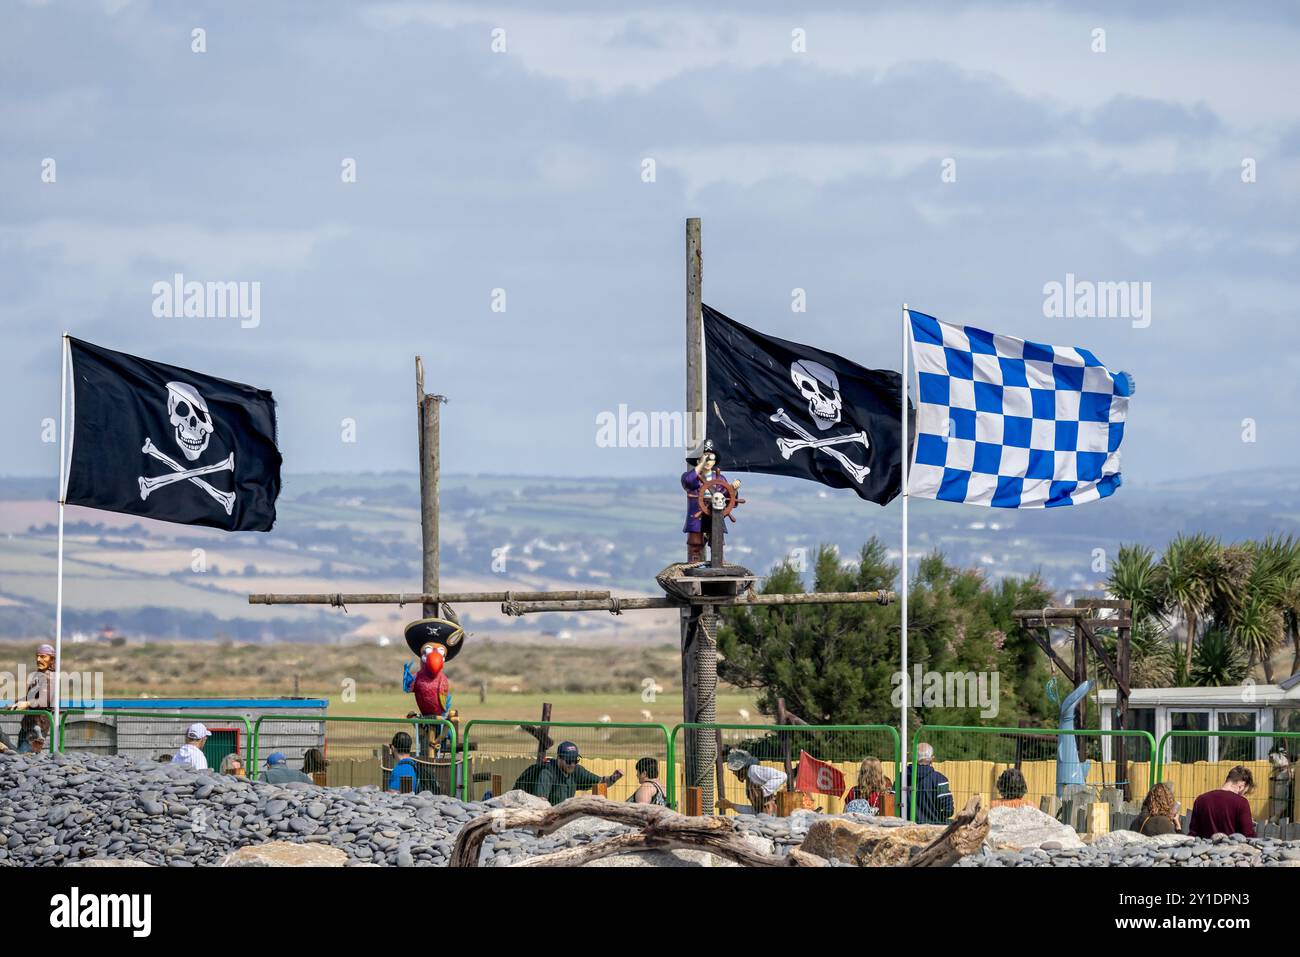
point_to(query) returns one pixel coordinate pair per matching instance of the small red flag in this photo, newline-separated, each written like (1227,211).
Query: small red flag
(818,777)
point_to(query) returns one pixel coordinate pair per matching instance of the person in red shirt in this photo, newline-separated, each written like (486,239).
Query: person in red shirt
(1225,810)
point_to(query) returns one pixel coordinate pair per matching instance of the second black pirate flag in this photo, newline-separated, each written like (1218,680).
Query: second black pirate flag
(169,443)
(789,409)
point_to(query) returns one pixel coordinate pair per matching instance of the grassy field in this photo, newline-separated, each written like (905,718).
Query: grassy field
(489,679)
(566,706)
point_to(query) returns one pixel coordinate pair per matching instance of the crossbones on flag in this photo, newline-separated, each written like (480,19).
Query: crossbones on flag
(789,409)
(1010,423)
(171,444)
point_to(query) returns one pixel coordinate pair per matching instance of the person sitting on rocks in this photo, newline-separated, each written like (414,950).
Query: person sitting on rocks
(1159,813)
(934,804)
(873,794)
(1225,810)
(649,790)
(191,752)
(761,784)
(278,770)
(314,762)
(232,764)
(564,777)
(404,766)
(1011,790)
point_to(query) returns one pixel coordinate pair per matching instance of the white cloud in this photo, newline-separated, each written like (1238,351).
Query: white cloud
(221,253)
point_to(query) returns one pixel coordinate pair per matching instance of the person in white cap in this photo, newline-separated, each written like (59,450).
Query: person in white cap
(191,752)
(761,783)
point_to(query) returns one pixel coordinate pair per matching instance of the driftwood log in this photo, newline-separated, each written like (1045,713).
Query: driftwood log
(664,829)
(661,829)
(963,836)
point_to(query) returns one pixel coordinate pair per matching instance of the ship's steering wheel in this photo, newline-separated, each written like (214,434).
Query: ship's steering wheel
(714,486)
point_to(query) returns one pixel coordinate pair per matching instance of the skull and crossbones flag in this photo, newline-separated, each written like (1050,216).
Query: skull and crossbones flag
(789,409)
(171,444)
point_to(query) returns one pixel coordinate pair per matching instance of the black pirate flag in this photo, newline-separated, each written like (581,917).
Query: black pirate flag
(789,409)
(171,444)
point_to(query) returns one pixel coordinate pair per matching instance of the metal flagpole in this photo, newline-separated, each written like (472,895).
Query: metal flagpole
(907,691)
(55,743)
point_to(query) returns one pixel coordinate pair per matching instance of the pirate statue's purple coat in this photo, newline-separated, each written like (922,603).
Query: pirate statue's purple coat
(703,462)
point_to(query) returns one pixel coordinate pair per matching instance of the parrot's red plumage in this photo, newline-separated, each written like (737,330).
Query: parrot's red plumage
(431,685)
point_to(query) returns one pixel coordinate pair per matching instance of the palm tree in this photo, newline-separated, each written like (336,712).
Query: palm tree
(1265,617)
(1135,577)
(1152,662)
(1282,555)
(1185,572)
(1218,661)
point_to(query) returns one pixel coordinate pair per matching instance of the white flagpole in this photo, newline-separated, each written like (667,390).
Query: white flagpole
(907,691)
(55,743)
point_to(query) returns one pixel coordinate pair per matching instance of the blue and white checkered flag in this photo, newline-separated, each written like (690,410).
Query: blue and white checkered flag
(1013,424)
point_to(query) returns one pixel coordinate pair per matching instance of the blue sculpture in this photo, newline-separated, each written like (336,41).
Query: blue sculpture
(1069,769)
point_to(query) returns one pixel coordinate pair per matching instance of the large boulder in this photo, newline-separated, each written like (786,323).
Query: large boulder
(519,799)
(286,854)
(1021,827)
(867,845)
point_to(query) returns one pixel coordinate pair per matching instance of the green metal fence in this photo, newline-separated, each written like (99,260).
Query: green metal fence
(155,735)
(18,727)
(836,754)
(359,751)
(498,754)
(1193,762)
(975,759)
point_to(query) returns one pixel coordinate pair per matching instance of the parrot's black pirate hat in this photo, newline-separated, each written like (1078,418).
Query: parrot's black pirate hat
(446,633)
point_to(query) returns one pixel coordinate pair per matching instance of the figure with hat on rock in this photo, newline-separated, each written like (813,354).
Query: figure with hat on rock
(40,697)
(435,641)
(703,462)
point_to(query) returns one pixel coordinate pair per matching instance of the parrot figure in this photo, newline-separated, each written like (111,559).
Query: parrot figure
(429,684)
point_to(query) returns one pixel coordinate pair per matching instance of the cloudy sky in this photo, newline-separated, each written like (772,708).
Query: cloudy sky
(505,148)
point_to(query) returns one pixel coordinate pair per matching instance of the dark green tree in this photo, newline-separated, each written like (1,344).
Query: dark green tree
(839,663)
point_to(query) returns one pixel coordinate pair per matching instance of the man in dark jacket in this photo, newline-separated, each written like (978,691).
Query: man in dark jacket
(562,778)
(278,771)
(934,803)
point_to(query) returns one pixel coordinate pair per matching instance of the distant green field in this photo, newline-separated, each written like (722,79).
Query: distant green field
(582,706)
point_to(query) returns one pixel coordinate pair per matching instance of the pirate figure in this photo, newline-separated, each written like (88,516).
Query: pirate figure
(40,697)
(703,462)
(436,641)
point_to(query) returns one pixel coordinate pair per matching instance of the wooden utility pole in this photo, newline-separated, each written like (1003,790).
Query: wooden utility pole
(694,431)
(699,624)
(428,419)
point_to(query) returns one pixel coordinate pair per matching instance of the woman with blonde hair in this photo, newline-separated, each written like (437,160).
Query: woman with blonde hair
(1159,813)
(874,793)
